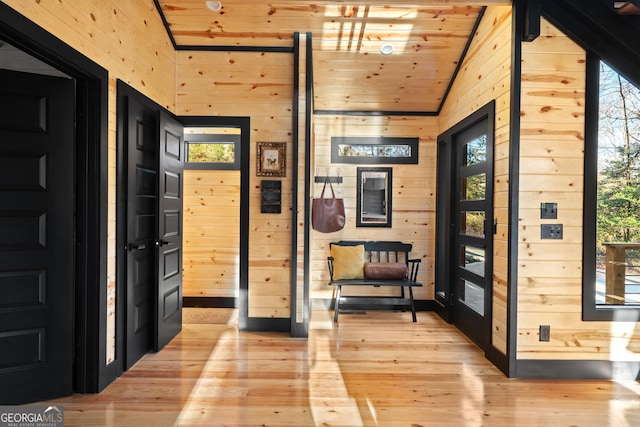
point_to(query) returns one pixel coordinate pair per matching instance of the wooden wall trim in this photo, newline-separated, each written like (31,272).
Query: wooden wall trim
(461,60)
(374,113)
(210,302)
(271,49)
(297,329)
(597,28)
(531,20)
(578,369)
(267,324)
(165,23)
(592,112)
(514,189)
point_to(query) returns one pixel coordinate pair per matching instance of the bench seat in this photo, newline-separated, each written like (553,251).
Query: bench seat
(378,251)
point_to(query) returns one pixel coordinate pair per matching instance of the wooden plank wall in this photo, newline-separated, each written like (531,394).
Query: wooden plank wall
(109,32)
(413,192)
(211,232)
(484,76)
(258,85)
(551,170)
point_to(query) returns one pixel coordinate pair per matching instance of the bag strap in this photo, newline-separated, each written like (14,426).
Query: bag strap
(333,194)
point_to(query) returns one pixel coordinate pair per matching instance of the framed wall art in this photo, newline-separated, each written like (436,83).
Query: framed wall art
(271,158)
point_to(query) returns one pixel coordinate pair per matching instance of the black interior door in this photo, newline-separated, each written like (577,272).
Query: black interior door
(36,237)
(169,243)
(142,222)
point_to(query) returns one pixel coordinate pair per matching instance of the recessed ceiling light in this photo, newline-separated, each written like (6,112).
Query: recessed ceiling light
(214,5)
(386,49)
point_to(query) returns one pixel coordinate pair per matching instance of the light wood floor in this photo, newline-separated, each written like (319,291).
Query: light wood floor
(374,369)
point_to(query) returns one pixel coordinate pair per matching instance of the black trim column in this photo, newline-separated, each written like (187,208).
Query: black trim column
(508,363)
(300,234)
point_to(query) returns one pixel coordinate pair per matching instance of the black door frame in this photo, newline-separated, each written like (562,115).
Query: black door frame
(445,225)
(91,142)
(244,124)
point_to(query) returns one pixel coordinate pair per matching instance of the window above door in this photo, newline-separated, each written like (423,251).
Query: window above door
(212,148)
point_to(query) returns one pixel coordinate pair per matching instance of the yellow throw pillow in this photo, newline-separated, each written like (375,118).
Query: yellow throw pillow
(348,262)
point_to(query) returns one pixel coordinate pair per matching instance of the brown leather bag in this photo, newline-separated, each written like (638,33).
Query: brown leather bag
(327,215)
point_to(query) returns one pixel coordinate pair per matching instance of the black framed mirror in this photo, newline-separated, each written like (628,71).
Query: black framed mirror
(373,201)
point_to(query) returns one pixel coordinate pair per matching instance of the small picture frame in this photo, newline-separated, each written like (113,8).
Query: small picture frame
(271,158)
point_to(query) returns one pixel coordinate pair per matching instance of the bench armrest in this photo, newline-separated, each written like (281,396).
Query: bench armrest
(330,264)
(414,265)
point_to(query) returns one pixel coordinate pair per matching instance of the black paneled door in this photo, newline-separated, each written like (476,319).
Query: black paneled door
(36,237)
(142,223)
(169,243)
(154,144)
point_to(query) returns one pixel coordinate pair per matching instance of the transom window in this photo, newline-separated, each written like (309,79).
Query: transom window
(212,148)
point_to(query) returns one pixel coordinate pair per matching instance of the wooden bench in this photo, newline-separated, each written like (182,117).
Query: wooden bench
(377,252)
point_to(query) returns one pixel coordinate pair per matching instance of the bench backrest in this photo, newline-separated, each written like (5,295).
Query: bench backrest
(381,251)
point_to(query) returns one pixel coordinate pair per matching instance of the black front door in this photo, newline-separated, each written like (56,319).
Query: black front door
(36,237)
(465,225)
(472,231)
(142,222)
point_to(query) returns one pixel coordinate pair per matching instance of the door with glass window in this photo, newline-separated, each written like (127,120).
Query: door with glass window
(471,250)
(465,224)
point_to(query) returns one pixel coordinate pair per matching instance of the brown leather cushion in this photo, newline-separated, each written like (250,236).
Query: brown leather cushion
(385,270)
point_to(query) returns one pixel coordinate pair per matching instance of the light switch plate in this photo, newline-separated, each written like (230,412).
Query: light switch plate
(551,231)
(548,210)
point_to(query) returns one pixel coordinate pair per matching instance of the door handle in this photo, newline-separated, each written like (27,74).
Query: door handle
(136,247)
(162,242)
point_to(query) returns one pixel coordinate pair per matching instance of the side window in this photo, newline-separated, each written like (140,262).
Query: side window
(612,196)
(212,148)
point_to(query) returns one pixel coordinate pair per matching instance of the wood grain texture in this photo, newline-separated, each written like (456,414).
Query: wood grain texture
(128,39)
(552,163)
(377,369)
(413,192)
(247,84)
(350,73)
(211,231)
(485,76)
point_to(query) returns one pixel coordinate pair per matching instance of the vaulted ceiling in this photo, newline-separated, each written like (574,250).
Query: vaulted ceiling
(428,38)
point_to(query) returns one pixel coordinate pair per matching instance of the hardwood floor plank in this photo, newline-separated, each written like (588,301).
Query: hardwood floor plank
(373,369)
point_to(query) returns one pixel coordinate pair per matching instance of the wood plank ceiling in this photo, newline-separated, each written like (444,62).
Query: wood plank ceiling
(350,72)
